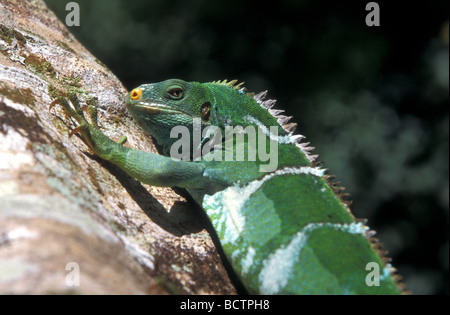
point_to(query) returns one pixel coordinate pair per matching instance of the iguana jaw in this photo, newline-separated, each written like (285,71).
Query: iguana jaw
(152,108)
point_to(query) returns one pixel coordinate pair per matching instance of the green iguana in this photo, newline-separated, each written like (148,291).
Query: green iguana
(283,223)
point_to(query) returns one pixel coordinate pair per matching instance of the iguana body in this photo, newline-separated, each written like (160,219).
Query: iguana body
(285,231)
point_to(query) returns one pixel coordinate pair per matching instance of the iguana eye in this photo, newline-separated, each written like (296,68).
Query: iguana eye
(205,111)
(175,93)
(136,94)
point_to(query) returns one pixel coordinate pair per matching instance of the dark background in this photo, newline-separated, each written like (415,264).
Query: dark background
(372,100)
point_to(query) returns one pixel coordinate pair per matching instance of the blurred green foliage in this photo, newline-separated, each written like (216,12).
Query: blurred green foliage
(373,100)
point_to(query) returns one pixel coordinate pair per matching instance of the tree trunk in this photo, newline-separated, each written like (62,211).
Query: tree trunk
(70,222)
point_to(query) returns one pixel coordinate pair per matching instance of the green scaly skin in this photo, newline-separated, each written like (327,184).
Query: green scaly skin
(285,232)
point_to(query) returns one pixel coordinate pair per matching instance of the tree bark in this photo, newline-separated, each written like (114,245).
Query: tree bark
(70,222)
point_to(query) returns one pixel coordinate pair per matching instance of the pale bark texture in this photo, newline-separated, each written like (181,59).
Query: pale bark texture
(69,222)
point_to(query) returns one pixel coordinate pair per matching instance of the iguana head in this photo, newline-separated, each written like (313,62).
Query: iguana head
(161,106)
(158,107)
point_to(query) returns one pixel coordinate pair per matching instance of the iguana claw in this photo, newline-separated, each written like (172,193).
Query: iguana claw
(88,130)
(71,105)
(75,131)
(75,112)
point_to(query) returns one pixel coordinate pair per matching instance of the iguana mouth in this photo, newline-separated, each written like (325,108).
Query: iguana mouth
(154,108)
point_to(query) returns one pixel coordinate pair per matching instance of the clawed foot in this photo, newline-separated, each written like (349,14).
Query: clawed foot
(86,129)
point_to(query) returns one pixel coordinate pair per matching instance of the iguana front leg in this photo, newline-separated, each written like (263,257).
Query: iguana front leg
(146,167)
